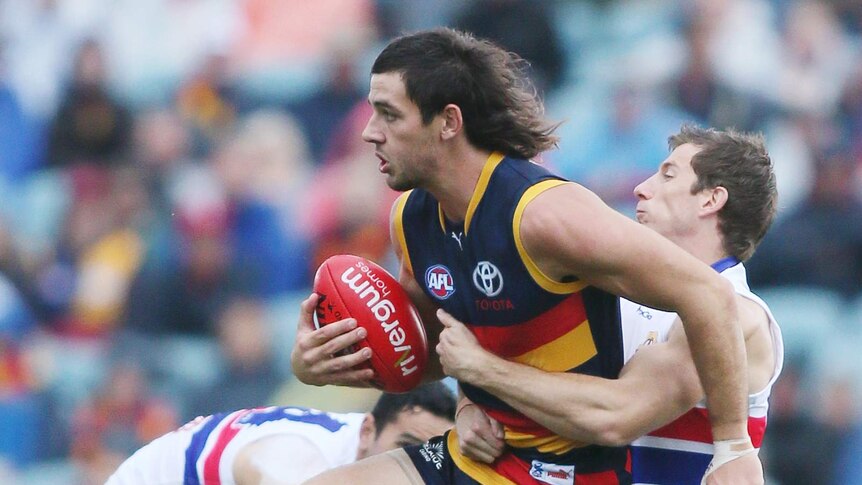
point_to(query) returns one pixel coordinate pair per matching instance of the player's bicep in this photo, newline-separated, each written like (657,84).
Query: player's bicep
(570,233)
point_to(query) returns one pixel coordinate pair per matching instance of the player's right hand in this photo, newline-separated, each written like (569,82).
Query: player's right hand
(316,357)
(480,437)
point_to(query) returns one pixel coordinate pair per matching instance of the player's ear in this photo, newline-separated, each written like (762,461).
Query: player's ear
(715,200)
(367,435)
(453,121)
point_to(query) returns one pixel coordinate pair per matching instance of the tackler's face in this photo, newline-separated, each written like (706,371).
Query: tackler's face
(666,203)
(413,426)
(405,147)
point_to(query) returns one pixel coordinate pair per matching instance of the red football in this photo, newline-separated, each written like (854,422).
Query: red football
(351,286)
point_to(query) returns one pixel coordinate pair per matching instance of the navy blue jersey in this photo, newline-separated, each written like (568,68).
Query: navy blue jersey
(480,273)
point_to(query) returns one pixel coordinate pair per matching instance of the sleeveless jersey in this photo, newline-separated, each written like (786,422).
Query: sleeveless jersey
(480,273)
(678,453)
(203,451)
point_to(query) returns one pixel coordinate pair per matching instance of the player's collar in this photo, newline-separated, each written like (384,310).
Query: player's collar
(725,263)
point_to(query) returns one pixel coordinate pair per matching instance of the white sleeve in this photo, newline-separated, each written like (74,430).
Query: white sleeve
(161,461)
(279,459)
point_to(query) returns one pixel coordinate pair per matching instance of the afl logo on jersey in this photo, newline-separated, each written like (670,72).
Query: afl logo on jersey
(439,281)
(488,279)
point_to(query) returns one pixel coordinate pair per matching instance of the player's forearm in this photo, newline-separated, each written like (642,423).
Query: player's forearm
(718,349)
(579,407)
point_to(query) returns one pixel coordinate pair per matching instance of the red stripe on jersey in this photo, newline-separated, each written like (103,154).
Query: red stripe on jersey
(602,478)
(694,426)
(513,468)
(213,460)
(513,340)
(517,422)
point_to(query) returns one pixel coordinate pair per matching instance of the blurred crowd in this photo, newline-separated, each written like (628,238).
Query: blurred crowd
(172,172)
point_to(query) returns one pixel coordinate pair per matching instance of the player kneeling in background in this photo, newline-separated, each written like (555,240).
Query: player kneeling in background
(286,444)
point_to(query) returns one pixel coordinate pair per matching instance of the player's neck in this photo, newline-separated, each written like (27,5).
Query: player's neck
(460,169)
(705,246)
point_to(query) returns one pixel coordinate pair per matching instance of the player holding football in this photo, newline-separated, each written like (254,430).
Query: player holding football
(714,196)
(286,445)
(529,261)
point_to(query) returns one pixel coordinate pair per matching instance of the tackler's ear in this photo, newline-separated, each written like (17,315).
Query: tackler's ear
(714,200)
(367,436)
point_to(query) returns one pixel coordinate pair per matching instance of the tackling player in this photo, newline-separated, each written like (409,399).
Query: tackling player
(715,196)
(286,445)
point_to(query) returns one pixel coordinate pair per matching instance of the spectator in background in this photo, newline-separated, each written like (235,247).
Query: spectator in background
(613,148)
(120,418)
(349,204)
(850,110)
(90,126)
(817,58)
(208,101)
(20,134)
(181,292)
(820,241)
(320,113)
(22,407)
(250,376)
(805,438)
(523,27)
(264,169)
(699,92)
(84,288)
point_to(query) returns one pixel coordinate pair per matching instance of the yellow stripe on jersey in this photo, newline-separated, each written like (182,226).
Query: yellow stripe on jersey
(398,221)
(539,277)
(476,470)
(564,353)
(490,165)
(545,444)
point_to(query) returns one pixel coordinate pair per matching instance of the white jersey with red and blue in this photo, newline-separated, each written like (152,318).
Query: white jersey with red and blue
(203,451)
(678,453)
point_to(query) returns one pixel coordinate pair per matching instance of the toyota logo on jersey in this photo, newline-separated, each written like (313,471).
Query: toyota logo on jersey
(439,281)
(488,279)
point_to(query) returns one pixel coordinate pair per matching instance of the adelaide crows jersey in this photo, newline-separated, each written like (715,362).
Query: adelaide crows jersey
(479,272)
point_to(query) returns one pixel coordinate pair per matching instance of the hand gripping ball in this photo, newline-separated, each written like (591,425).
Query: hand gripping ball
(351,286)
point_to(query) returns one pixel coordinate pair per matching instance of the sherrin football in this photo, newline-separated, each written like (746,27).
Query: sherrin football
(351,286)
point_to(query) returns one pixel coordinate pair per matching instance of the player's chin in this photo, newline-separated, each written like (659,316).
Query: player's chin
(398,184)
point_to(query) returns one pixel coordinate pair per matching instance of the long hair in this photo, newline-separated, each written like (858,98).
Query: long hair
(500,106)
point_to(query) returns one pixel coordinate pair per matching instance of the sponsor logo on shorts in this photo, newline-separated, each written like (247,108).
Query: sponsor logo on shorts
(432,452)
(439,281)
(553,473)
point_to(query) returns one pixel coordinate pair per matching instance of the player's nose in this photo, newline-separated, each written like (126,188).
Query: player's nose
(371,133)
(642,191)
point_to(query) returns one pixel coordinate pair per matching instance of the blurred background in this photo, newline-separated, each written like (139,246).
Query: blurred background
(173,171)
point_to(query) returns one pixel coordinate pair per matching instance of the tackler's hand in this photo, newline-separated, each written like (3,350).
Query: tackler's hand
(461,355)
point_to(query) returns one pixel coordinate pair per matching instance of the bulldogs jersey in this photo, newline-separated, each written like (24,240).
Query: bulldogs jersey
(203,451)
(480,273)
(678,453)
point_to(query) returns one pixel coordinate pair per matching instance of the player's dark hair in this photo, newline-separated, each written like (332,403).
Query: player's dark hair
(433,397)
(740,163)
(500,106)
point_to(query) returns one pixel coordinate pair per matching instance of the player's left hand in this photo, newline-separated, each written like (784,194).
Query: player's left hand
(461,356)
(745,470)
